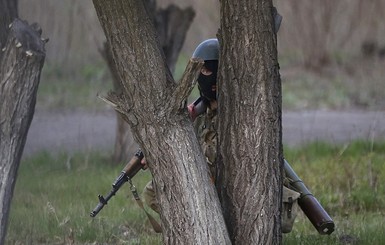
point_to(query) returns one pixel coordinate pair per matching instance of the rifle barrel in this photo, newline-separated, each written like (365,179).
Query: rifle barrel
(102,202)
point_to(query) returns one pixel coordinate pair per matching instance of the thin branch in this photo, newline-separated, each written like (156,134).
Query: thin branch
(114,101)
(186,83)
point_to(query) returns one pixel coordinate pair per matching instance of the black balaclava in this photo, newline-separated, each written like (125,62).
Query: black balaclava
(206,83)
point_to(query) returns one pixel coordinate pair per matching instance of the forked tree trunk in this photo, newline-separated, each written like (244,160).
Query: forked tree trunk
(154,106)
(250,157)
(171,25)
(21,61)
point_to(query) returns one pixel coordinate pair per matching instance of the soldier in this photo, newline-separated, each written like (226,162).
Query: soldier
(208,50)
(205,125)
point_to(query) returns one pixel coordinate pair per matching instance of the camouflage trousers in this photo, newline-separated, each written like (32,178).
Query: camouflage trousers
(150,197)
(289,205)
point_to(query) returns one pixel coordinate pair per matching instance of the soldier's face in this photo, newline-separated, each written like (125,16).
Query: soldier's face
(207,83)
(207,72)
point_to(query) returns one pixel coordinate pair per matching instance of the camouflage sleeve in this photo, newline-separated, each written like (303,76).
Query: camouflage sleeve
(207,135)
(150,197)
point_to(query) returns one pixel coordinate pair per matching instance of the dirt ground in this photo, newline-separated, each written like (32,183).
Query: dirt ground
(74,131)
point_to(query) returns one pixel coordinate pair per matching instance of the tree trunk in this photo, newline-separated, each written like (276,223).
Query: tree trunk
(250,157)
(8,12)
(123,136)
(21,62)
(171,25)
(154,106)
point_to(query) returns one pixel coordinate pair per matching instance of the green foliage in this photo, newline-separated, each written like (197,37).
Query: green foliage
(353,83)
(180,66)
(336,87)
(311,91)
(71,89)
(55,194)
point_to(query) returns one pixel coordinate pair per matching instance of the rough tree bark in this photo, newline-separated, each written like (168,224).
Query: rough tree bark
(154,106)
(171,24)
(250,130)
(21,60)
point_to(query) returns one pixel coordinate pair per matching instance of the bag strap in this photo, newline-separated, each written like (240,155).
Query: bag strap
(155,224)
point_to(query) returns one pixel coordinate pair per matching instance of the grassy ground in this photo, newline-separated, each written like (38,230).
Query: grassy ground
(55,194)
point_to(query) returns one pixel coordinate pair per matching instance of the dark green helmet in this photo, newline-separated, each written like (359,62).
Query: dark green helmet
(207,50)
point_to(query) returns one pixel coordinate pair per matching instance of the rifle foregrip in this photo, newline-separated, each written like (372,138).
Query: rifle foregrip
(316,214)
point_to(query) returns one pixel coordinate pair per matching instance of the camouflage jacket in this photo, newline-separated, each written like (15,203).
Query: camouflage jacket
(206,129)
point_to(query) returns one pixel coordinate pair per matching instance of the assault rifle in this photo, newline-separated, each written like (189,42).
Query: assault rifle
(308,203)
(129,171)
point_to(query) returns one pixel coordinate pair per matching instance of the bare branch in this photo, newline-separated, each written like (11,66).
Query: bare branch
(186,83)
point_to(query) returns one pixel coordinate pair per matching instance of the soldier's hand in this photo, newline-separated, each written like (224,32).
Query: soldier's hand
(144,163)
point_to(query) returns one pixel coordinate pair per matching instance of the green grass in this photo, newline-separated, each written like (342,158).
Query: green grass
(55,194)
(347,181)
(359,228)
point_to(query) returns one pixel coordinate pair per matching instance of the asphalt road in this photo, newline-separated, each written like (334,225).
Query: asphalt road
(89,131)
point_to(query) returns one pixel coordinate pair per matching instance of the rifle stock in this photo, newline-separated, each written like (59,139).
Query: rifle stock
(309,204)
(128,172)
